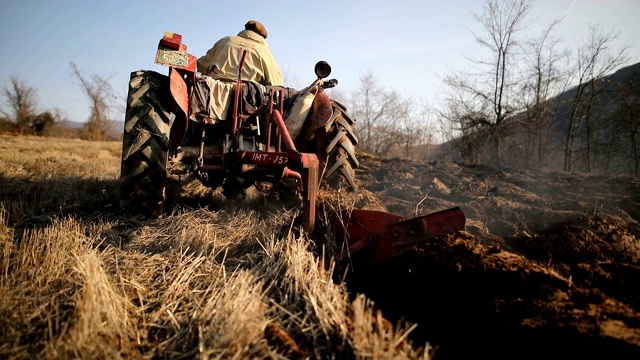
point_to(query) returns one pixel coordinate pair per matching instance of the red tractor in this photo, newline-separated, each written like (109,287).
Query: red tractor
(189,125)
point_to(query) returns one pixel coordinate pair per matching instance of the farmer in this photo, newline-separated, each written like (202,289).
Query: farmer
(222,60)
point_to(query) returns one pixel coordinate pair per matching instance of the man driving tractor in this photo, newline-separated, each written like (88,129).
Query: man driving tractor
(220,64)
(221,61)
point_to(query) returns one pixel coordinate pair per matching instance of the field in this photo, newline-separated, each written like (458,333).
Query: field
(548,267)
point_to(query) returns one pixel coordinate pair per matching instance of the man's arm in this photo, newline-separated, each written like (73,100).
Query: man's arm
(272,71)
(205,63)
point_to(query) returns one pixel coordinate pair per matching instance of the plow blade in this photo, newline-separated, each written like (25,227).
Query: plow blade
(377,236)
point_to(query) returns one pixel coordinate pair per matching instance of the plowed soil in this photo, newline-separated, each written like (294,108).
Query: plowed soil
(548,266)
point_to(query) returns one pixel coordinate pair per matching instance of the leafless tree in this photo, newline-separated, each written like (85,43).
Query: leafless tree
(22,99)
(376,110)
(594,60)
(483,99)
(407,131)
(624,142)
(421,129)
(101,94)
(543,79)
(387,123)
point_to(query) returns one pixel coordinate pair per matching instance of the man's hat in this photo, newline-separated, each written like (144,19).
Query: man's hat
(256,27)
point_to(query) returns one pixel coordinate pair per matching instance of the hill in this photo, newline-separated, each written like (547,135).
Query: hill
(594,127)
(114,127)
(548,267)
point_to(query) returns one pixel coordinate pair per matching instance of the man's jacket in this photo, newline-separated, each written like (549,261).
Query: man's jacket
(221,61)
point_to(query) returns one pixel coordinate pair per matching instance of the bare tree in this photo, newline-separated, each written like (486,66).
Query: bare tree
(388,124)
(403,137)
(594,60)
(483,100)
(543,79)
(375,110)
(21,98)
(417,132)
(625,132)
(101,94)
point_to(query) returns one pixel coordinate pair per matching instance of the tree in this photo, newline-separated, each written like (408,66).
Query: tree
(543,78)
(412,133)
(21,98)
(483,100)
(379,113)
(626,127)
(594,60)
(101,94)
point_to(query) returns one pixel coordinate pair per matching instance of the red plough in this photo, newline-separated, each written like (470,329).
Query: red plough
(374,237)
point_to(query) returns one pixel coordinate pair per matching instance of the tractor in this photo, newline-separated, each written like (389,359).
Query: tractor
(240,134)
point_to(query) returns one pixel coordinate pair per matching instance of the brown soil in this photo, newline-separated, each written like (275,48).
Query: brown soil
(548,267)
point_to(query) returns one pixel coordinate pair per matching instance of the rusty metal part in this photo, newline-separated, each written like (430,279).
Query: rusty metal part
(319,115)
(236,102)
(179,90)
(311,183)
(282,130)
(180,94)
(288,173)
(276,102)
(378,236)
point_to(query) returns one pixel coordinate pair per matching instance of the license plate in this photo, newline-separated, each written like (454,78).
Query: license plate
(172,58)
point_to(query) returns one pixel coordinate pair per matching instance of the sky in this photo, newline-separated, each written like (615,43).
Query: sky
(407,44)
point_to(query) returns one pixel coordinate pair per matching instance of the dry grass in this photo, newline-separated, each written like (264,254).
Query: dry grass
(81,279)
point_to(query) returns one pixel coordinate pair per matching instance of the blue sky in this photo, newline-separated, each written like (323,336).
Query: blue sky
(407,44)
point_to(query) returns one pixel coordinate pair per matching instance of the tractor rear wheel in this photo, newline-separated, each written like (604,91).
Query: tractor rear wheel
(145,143)
(337,150)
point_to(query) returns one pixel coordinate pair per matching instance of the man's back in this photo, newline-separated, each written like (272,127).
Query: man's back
(221,61)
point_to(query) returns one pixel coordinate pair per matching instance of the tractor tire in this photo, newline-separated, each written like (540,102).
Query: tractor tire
(337,151)
(145,144)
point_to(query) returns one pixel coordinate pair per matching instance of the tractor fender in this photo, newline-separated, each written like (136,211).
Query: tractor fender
(321,113)
(180,94)
(318,116)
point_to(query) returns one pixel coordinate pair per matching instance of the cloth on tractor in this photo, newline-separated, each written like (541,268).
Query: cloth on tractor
(212,100)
